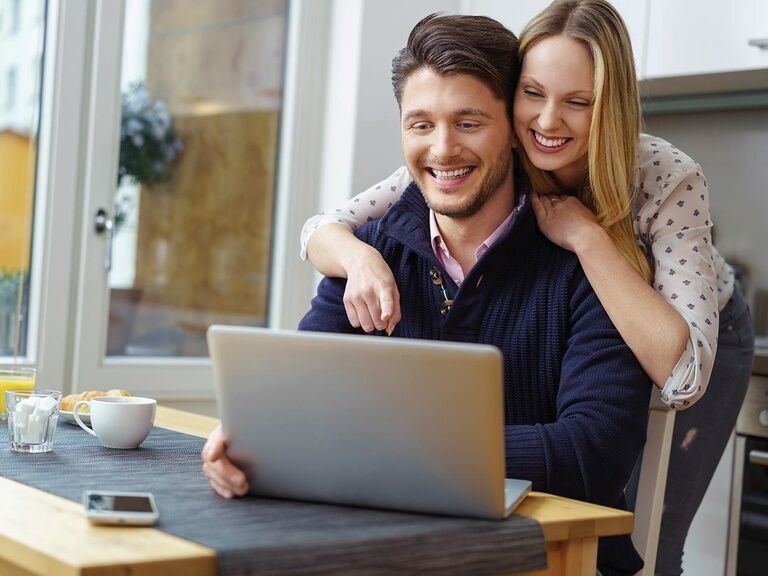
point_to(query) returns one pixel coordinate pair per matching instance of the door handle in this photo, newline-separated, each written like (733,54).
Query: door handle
(761,43)
(103,224)
(758,457)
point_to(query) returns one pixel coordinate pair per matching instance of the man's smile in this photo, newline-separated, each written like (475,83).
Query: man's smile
(450,174)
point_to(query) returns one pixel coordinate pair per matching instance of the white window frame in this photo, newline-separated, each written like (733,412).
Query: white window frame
(57,194)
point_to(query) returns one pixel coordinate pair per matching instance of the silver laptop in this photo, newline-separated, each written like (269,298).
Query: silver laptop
(381,422)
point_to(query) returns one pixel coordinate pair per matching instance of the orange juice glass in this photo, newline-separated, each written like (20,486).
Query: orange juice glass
(15,379)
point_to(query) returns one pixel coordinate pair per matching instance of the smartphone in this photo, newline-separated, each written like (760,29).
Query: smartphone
(126,508)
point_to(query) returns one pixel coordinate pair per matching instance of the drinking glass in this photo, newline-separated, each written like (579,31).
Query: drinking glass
(32,417)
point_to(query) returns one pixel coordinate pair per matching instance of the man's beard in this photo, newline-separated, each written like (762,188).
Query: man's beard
(493,180)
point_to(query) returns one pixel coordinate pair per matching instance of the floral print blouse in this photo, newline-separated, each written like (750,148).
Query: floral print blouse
(672,224)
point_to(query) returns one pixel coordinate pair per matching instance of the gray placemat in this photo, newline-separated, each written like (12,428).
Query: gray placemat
(265,536)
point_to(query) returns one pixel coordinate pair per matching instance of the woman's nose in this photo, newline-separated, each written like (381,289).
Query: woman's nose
(549,117)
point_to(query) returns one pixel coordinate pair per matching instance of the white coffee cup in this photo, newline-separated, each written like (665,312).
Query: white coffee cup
(118,421)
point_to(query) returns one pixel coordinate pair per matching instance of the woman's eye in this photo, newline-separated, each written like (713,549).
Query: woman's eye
(579,103)
(532,93)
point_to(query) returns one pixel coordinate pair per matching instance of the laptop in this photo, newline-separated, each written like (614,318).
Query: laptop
(412,425)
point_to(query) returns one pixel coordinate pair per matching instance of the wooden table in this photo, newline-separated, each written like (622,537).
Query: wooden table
(46,535)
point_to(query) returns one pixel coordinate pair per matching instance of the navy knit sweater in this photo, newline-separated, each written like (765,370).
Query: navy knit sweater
(576,399)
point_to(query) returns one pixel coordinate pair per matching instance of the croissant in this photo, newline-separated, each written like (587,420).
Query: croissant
(68,402)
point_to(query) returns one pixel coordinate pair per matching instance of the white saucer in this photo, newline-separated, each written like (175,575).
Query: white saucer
(70,417)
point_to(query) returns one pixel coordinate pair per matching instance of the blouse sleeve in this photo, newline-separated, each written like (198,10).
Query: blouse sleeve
(679,233)
(366,206)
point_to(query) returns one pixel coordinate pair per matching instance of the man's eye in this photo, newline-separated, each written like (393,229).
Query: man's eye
(420,126)
(468,125)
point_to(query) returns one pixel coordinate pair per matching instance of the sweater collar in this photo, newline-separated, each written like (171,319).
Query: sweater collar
(407,220)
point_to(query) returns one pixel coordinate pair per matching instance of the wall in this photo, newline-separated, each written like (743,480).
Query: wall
(362,135)
(732,148)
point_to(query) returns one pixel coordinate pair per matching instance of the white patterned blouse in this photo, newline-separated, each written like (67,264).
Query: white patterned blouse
(672,224)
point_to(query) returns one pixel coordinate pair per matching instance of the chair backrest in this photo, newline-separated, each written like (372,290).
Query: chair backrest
(652,483)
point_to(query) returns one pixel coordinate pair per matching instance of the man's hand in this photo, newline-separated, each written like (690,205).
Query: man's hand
(225,478)
(371,298)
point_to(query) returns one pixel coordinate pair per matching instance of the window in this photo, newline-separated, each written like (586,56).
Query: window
(15,16)
(202,93)
(18,125)
(10,88)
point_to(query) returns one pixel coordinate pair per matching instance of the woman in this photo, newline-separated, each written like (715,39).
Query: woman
(635,211)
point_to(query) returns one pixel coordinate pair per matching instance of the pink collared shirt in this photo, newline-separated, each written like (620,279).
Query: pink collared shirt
(448,262)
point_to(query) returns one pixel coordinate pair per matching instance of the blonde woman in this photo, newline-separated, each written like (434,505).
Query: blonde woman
(633,208)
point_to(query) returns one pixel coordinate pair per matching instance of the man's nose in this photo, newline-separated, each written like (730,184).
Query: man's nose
(549,117)
(445,144)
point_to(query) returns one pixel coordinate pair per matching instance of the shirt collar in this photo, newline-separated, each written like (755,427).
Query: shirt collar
(444,257)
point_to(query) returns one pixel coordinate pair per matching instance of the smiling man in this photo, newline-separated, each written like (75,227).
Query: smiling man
(472,266)
(458,147)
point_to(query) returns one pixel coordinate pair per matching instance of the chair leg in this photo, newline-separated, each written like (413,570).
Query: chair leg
(651,486)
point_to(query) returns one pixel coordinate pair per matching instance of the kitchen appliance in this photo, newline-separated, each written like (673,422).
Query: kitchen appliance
(748,523)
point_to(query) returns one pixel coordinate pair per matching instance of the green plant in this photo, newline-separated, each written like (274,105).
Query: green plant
(10,283)
(148,143)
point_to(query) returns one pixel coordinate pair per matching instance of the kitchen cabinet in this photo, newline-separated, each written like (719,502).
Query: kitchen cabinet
(681,47)
(515,15)
(691,37)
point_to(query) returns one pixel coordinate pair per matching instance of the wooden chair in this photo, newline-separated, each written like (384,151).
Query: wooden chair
(652,482)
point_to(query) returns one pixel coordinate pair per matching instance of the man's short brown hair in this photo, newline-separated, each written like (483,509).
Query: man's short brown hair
(455,44)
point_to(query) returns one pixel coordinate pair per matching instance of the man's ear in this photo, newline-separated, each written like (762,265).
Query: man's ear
(513,141)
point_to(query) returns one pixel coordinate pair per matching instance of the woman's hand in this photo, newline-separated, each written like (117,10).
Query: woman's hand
(225,478)
(563,219)
(371,298)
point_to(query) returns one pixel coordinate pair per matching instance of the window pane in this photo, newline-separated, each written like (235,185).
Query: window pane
(202,88)
(21,46)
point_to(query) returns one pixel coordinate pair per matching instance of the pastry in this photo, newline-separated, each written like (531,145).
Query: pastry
(67,403)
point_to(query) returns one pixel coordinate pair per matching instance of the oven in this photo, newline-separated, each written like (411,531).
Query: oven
(748,523)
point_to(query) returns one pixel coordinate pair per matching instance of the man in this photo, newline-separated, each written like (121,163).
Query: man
(472,266)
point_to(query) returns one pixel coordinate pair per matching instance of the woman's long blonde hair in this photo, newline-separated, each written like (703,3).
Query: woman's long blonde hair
(616,118)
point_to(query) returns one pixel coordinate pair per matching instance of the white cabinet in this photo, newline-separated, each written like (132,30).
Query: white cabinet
(693,37)
(680,46)
(635,15)
(515,15)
